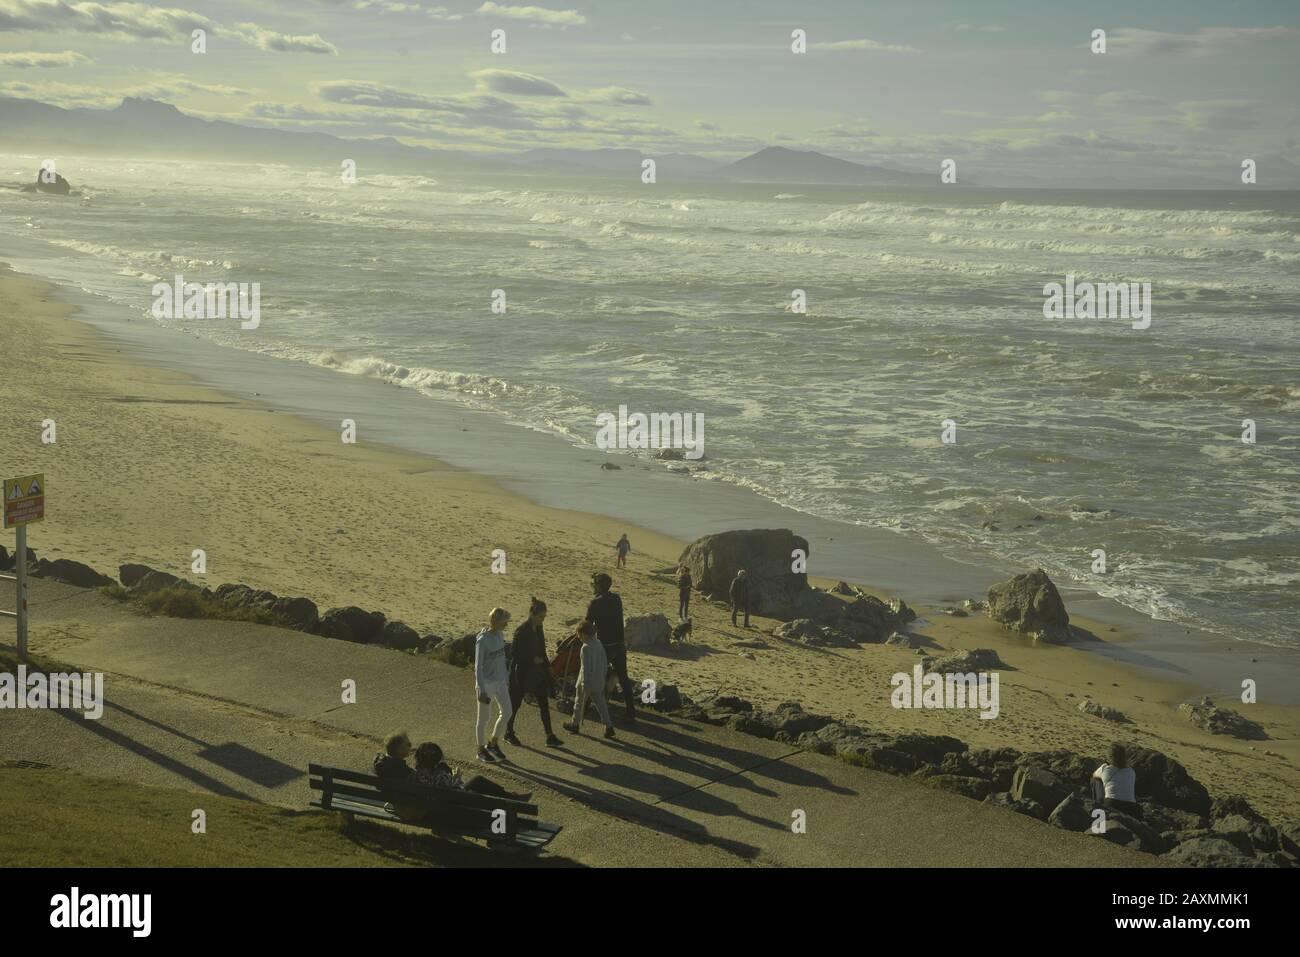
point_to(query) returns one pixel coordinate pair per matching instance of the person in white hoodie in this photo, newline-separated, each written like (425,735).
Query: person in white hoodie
(492,684)
(591,680)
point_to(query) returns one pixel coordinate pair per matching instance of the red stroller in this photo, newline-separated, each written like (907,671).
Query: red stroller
(564,669)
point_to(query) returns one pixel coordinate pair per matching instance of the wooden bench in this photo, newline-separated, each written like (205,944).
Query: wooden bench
(448,811)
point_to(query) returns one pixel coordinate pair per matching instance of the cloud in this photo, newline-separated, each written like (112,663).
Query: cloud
(517,84)
(163,87)
(617,95)
(872,46)
(138,21)
(542,15)
(27,61)
(703,125)
(976,28)
(1206,41)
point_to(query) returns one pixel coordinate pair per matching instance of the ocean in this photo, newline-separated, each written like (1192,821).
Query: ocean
(1072,435)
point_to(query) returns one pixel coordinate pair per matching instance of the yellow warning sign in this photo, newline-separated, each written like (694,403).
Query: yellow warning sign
(24,500)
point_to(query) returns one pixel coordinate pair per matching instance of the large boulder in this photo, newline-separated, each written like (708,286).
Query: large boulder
(398,634)
(129,574)
(809,632)
(766,554)
(1030,604)
(1074,770)
(1072,814)
(1098,710)
(299,613)
(973,661)
(1210,717)
(1037,784)
(71,573)
(1020,806)
(1163,780)
(50,182)
(647,631)
(156,581)
(1211,852)
(354,624)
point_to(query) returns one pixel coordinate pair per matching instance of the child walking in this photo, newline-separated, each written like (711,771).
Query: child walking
(492,684)
(591,681)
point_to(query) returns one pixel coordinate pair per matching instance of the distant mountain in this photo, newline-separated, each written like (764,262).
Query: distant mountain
(614,161)
(776,164)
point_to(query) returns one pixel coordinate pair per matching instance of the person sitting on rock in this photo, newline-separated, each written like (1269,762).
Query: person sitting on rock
(740,596)
(1115,784)
(432,771)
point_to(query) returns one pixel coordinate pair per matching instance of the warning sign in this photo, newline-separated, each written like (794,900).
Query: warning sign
(24,500)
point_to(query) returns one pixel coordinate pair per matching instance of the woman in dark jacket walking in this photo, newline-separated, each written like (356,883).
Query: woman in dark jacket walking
(530,672)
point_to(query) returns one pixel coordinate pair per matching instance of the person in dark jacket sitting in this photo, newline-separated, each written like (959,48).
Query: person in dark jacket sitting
(390,765)
(740,596)
(530,672)
(606,613)
(432,771)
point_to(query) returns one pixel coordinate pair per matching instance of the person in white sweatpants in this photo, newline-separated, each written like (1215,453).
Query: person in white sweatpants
(591,681)
(492,684)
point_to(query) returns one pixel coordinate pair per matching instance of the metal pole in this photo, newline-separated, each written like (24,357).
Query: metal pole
(20,574)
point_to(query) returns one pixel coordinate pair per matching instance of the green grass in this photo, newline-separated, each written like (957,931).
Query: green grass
(57,818)
(114,591)
(182,602)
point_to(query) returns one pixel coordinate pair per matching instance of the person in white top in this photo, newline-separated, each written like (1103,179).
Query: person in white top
(591,680)
(492,684)
(1115,783)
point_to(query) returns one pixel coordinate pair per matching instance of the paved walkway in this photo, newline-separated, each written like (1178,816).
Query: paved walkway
(240,709)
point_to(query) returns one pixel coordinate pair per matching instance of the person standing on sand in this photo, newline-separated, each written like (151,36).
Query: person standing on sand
(492,684)
(529,673)
(622,548)
(606,613)
(1115,784)
(740,596)
(684,584)
(591,681)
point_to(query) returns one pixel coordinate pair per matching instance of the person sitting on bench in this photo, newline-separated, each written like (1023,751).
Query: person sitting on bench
(390,765)
(431,770)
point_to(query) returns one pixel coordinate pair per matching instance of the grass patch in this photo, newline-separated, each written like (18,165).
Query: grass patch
(114,591)
(64,819)
(180,601)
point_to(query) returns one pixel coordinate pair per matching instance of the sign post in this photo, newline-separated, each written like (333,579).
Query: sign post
(24,503)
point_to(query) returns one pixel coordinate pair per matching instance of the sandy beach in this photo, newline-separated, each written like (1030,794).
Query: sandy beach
(149,466)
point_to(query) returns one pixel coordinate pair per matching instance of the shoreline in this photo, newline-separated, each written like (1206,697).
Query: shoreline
(226,468)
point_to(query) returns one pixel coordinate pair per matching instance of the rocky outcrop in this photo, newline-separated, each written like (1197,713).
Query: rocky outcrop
(129,574)
(47,182)
(1031,605)
(647,631)
(1212,852)
(1163,780)
(965,662)
(70,573)
(1037,784)
(352,624)
(1210,717)
(154,581)
(766,554)
(809,632)
(1102,711)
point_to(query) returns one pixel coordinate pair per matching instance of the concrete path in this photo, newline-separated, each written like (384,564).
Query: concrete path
(241,709)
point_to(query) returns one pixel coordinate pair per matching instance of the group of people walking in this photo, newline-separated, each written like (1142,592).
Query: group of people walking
(502,682)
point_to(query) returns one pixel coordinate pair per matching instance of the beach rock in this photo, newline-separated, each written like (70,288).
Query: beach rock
(1029,808)
(904,641)
(1114,831)
(399,635)
(1072,814)
(1037,784)
(232,593)
(366,627)
(1146,838)
(886,759)
(1211,852)
(156,581)
(925,748)
(997,765)
(1230,804)
(129,574)
(462,647)
(967,662)
(975,788)
(1168,820)
(1288,836)
(867,618)
(332,625)
(611,467)
(667,698)
(1209,717)
(1097,710)
(1030,604)
(791,720)
(58,186)
(1257,835)
(766,555)
(1163,780)
(902,614)
(844,588)
(812,633)
(71,573)
(974,604)
(1074,770)
(647,631)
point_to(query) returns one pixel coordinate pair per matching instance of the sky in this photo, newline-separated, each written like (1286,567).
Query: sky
(1187,87)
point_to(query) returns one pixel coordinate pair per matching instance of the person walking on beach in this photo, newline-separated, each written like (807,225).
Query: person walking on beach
(1115,783)
(529,673)
(606,613)
(622,548)
(740,596)
(591,681)
(492,684)
(684,593)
